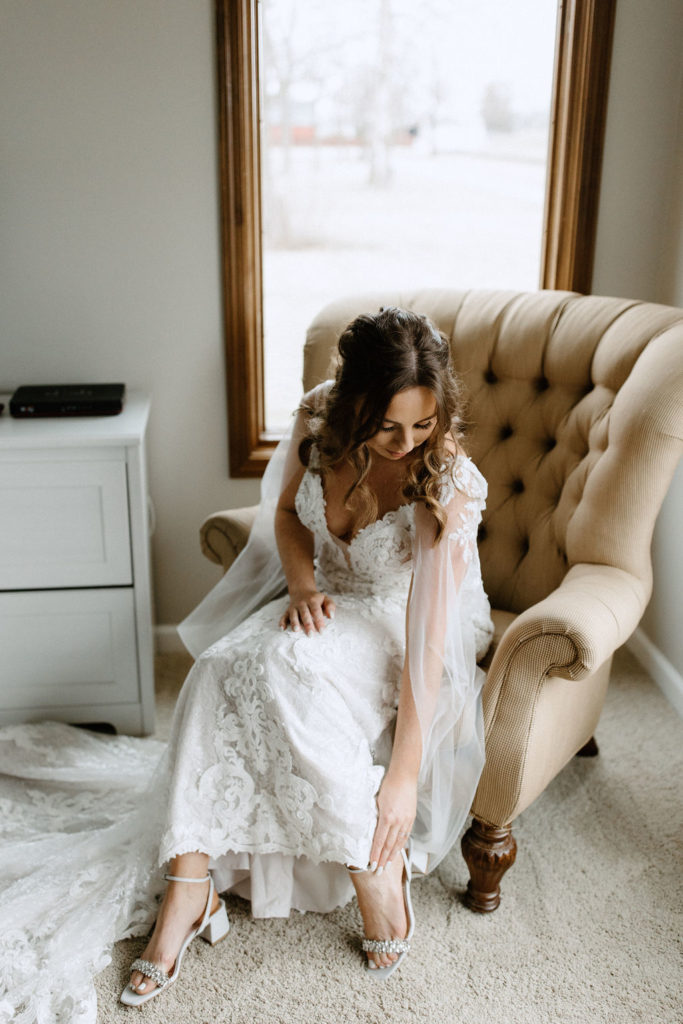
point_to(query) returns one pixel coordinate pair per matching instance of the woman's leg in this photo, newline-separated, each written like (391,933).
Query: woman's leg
(181,910)
(382,907)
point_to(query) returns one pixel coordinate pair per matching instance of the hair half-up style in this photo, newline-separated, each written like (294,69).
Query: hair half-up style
(382,355)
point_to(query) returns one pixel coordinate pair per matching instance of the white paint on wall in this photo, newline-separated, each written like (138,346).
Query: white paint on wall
(639,253)
(663,619)
(110,251)
(641,188)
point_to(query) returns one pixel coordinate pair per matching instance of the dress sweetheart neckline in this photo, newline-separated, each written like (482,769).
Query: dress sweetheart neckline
(379,521)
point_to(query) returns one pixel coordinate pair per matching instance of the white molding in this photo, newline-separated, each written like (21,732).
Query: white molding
(167,641)
(667,677)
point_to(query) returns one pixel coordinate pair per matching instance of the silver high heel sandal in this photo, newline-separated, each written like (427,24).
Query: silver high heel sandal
(212,928)
(400,946)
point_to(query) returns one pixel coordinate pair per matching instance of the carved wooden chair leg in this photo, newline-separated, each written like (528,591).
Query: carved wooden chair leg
(589,749)
(488,852)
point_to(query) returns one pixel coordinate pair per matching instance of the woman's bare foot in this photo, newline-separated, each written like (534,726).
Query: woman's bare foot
(181,910)
(382,907)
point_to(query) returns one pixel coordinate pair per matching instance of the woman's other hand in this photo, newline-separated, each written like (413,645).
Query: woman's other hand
(396,807)
(308,610)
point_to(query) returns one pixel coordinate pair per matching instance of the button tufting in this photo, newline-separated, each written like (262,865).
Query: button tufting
(542,384)
(482,533)
(525,546)
(517,486)
(505,432)
(489,376)
(550,443)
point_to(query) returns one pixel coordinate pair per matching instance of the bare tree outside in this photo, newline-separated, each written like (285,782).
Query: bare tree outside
(404,145)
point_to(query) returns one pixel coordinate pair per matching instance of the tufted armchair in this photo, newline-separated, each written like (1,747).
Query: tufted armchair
(575,418)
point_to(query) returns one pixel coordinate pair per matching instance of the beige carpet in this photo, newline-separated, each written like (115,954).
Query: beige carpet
(588,931)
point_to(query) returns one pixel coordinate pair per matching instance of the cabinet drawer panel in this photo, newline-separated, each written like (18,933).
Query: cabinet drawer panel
(65,648)
(63,524)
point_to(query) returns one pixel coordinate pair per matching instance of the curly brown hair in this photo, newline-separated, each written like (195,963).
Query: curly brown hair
(381,355)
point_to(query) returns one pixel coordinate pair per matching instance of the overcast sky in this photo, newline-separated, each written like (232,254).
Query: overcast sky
(473,42)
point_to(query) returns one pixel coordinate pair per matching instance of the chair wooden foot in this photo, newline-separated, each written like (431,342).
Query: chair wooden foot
(488,853)
(589,749)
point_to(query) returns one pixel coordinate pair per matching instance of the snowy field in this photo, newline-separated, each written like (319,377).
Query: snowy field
(457,220)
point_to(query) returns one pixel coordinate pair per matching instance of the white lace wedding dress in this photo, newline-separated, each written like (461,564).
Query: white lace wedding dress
(277,751)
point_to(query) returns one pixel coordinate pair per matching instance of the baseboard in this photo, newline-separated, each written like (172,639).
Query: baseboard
(167,641)
(669,680)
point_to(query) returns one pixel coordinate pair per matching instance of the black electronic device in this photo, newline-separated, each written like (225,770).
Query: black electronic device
(67,400)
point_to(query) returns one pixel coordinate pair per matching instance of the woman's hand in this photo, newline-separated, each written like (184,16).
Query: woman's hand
(396,806)
(308,610)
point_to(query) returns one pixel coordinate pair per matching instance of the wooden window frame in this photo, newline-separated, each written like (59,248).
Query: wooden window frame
(583,52)
(578,115)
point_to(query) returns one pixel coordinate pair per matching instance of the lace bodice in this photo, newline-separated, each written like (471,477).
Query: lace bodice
(376,561)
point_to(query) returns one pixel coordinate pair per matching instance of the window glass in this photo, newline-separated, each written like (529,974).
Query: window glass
(404,145)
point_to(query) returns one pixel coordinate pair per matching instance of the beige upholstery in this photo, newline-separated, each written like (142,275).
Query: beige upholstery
(575,418)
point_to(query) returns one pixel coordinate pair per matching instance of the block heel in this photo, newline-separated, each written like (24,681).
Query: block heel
(217,927)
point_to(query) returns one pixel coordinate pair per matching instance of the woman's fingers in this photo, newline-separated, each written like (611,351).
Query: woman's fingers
(400,842)
(388,841)
(388,849)
(305,617)
(378,844)
(316,619)
(294,619)
(308,614)
(387,846)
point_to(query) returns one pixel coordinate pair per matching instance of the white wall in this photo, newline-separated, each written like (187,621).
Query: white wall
(638,249)
(109,239)
(109,251)
(639,252)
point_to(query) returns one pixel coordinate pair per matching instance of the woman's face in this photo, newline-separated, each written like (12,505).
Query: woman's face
(408,421)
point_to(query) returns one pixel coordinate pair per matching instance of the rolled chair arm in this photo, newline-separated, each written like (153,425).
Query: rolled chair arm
(593,611)
(223,534)
(546,685)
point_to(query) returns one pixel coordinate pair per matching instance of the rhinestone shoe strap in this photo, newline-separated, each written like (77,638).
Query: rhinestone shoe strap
(151,971)
(386,945)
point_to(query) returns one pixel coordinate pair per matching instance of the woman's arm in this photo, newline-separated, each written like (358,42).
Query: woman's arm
(307,608)
(432,648)
(397,797)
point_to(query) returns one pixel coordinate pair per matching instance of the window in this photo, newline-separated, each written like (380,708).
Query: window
(578,106)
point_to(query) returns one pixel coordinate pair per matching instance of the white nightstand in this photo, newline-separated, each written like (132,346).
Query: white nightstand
(75,599)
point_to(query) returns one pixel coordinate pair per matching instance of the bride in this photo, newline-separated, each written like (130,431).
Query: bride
(329,740)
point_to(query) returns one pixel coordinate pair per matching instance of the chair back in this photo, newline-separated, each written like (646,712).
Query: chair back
(574,416)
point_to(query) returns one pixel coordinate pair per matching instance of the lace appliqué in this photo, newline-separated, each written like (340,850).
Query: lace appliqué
(464,490)
(276,746)
(376,561)
(78,864)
